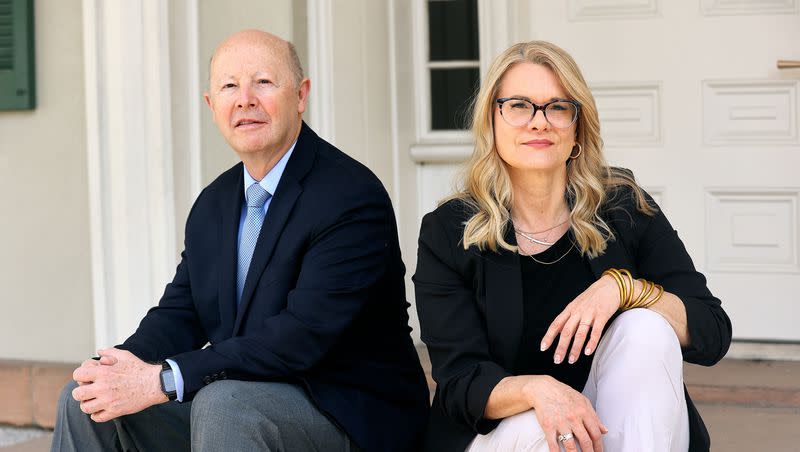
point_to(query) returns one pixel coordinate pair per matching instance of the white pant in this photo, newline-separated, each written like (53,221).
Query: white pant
(635,385)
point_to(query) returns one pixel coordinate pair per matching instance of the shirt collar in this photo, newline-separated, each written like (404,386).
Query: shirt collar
(270,181)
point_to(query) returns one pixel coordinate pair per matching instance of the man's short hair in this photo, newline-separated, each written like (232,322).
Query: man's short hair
(294,65)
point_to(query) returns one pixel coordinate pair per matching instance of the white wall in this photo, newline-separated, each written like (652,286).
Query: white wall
(45,281)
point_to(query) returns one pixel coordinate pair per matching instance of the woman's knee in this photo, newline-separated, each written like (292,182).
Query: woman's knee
(643,332)
(518,432)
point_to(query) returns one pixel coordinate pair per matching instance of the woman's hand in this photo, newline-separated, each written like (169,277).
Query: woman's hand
(561,410)
(590,311)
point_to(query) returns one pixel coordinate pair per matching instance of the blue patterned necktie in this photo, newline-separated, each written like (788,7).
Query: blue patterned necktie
(256,197)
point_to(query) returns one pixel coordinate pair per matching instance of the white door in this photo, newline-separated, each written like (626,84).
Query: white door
(691,100)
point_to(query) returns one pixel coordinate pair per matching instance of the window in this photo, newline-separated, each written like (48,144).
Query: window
(17,87)
(453,61)
(447,68)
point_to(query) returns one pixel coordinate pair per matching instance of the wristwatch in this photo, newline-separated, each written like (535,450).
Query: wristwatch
(168,381)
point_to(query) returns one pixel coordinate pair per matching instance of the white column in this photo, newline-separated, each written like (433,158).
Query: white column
(126,50)
(320,68)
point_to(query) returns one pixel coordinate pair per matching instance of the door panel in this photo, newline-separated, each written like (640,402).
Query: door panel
(691,100)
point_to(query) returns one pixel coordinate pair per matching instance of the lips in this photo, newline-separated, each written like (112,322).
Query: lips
(538,143)
(247,122)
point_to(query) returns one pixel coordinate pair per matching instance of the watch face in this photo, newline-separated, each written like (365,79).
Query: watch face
(167,381)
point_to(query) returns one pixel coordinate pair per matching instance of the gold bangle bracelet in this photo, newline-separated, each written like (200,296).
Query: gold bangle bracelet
(614,273)
(650,294)
(630,287)
(660,289)
(626,286)
(647,290)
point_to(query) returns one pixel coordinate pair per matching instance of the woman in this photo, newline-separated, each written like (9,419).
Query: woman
(538,335)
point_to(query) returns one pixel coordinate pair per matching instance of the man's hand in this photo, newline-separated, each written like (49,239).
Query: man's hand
(116,385)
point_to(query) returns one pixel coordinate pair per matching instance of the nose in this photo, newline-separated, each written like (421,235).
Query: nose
(538,122)
(245,99)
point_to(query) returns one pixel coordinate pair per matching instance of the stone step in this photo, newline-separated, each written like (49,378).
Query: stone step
(766,384)
(29,392)
(747,383)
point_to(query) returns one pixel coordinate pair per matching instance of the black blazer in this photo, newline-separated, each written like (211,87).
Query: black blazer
(470,307)
(323,305)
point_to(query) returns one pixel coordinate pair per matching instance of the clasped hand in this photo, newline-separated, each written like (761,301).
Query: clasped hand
(117,384)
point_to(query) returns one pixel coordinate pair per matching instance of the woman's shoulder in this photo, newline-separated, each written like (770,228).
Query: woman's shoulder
(452,213)
(627,207)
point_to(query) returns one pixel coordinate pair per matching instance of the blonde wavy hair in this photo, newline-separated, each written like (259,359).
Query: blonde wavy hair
(486,186)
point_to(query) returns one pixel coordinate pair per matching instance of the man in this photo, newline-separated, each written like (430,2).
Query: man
(291,273)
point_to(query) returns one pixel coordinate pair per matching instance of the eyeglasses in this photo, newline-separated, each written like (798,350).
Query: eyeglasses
(519,112)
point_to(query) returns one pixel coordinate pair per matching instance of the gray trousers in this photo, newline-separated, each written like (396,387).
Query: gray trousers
(226,415)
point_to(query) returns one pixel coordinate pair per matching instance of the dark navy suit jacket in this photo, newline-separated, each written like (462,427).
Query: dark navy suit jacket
(323,304)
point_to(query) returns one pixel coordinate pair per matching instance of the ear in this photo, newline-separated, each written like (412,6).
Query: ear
(210,104)
(302,95)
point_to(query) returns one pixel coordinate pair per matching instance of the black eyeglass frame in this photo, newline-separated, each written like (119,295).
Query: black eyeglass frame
(542,107)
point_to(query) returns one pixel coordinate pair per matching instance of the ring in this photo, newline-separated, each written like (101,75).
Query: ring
(564,437)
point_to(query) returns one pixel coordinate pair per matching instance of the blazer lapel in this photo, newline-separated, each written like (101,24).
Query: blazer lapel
(230,213)
(504,303)
(280,207)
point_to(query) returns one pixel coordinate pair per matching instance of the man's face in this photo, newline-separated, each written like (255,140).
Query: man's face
(253,96)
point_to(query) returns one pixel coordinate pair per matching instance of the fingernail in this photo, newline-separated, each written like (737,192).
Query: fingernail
(588,351)
(543,346)
(557,359)
(572,359)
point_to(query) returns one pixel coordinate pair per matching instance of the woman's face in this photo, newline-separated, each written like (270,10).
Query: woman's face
(537,145)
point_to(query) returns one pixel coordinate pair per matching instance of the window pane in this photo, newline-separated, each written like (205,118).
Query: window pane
(453,30)
(451,93)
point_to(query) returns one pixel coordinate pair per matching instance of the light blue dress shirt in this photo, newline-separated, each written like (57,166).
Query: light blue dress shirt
(268,183)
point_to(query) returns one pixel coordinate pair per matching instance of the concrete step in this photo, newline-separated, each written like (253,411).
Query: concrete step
(766,384)
(39,444)
(752,429)
(747,405)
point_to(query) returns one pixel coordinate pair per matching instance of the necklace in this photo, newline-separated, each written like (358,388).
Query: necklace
(529,235)
(572,245)
(533,239)
(543,230)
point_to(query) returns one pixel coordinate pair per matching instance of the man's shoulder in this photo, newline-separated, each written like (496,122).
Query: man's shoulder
(333,167)
(231,177)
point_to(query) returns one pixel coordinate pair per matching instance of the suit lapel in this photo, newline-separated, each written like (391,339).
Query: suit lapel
(230,213)
(286,194)
(504,303)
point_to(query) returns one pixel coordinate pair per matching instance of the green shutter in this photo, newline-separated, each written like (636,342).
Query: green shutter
(17,81)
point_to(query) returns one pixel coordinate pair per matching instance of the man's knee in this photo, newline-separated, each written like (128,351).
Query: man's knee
(214,399)
(66,403)
(236,410)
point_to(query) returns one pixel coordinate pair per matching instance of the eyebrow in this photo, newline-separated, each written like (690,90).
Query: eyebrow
(519,96)
(224,79)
